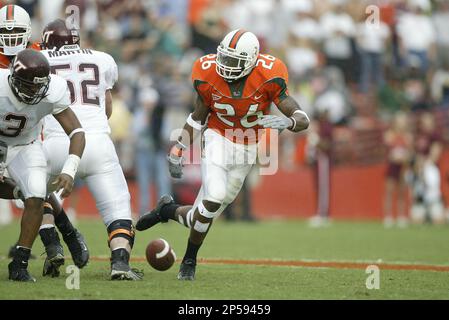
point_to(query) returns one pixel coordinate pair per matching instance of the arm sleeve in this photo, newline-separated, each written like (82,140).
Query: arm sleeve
(277,86)
(201,89)
(60,95)
(111,75)
(199,84)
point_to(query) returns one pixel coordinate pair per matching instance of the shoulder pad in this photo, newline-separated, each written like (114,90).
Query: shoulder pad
(269,67)
(57,89)
(204,69)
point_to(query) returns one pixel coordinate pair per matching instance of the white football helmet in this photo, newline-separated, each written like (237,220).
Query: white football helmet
(237,54)
(15,29)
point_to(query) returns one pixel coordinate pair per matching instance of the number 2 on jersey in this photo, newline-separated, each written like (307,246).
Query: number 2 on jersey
(83,85)
(266,60)
(18,123)
(230,111)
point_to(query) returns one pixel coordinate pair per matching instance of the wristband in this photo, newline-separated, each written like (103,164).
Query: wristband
(16,193)
(75,131)
(292,128)
(194,124)
(71,165)
(182,146)
(301,112)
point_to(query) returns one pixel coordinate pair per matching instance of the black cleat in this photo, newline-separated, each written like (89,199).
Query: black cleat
(152,218)
(19,273)
(54,259)
(187,270)
(51,266)
(120,269)
(78,248)
(18,266)
(54,251)
(12,251)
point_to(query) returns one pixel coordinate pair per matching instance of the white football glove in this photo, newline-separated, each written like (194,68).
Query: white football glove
(275,122)
(175,164)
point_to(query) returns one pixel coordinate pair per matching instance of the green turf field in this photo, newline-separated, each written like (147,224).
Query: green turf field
(251,242)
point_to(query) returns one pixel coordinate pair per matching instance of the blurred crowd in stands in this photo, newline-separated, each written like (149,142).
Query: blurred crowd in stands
(373,68)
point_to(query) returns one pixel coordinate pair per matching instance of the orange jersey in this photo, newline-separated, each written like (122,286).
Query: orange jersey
(238,106)
(5,60)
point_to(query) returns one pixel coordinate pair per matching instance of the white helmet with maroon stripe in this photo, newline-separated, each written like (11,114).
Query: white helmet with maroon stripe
(237,54)
(15,29)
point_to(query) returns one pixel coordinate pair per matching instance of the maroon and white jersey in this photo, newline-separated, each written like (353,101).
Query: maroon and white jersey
(21,123)
(89,74)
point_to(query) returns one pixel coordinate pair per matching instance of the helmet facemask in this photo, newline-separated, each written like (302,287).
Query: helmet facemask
(29,92)
(14,38)
(233,65)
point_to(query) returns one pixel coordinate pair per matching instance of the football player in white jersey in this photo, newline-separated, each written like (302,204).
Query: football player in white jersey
(15,33)
(28,93)
(91,75)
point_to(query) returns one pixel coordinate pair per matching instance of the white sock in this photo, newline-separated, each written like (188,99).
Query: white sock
(47,226)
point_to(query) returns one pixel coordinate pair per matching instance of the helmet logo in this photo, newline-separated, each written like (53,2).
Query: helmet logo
(46,35)
(18,65)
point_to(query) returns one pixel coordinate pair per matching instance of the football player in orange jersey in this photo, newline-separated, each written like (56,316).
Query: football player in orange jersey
(15,33)
(236,88)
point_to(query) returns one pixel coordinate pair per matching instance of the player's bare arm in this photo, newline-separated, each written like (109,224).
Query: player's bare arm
(108,100)
(72,127)
(9,189)
(198,116)
(296,121)
(291,109)
(192,128)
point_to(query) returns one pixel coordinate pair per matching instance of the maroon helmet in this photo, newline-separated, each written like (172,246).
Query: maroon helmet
(30,76)
(56,34)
